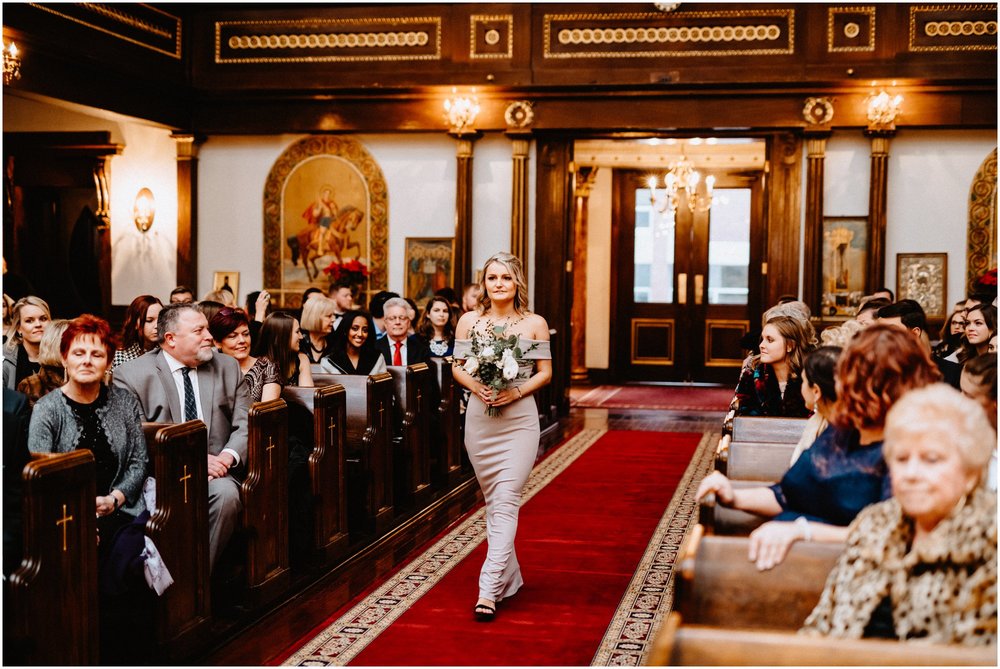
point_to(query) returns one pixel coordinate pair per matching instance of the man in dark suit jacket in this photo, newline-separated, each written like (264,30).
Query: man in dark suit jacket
(16,416)
(187,379)
(398,347)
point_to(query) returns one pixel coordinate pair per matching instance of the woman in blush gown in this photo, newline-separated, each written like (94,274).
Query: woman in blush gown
(502,449)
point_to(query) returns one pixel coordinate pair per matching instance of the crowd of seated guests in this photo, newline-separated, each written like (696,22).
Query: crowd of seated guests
(894,462)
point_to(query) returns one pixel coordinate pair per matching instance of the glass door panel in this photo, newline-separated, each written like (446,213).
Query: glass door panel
(653,279)
(729,247)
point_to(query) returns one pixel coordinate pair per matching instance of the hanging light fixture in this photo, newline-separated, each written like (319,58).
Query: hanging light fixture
(681,176)
(11,63)
(882,109)
(460,113)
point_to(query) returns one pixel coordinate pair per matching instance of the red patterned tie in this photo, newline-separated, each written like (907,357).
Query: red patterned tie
(397,357)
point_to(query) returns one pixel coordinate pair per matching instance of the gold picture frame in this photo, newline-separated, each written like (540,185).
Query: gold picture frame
(924,277)
(429,266)
(227,279)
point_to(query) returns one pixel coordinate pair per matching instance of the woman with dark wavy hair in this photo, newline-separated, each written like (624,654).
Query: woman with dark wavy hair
(280,338)
(138,333)
(437,326)
(231,329)
(352,348)
(843,471)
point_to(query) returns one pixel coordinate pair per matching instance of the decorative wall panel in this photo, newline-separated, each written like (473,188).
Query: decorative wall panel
(138,24)
(850,29)
(491,37)
(328,40)
(953,28)
(722,338)
(722,33)
(652,341)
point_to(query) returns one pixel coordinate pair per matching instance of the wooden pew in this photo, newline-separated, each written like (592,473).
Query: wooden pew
(681,644)
(179,528)
(327,466)
(718,585)
(369,454)
(265,501)
(413,410)
(755,460)
(53,594)
(718,519)
(446,441)
(768,429)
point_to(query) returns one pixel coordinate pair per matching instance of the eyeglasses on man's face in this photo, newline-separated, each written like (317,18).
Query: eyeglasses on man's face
(396,319)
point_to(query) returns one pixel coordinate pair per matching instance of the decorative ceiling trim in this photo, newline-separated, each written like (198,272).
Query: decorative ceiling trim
(850,29)
(328,40)
(953,28)
(491,37)
(139,24)
(682,33)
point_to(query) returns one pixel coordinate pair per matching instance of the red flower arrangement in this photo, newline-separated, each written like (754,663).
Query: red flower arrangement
(353,272)
(989,279)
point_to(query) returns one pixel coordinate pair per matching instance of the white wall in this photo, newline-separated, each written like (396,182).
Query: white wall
(599,268)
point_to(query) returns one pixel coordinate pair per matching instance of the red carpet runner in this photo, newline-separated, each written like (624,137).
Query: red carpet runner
(579,541)
(673,398)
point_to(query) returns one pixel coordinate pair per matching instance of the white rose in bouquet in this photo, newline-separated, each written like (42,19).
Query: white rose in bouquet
(488,353)
(471,366)
(508,365)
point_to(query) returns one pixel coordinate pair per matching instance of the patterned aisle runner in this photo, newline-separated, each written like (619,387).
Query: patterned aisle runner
(347,636)
(650,595)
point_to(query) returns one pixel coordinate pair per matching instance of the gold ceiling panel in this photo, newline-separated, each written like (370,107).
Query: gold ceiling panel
(953,28)
(491,37)
(850,29)
(138,24)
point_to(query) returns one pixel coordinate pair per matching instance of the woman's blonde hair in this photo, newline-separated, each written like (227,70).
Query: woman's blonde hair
(513,265)
(48,348)
(15,319)
(224,297)
(314,311)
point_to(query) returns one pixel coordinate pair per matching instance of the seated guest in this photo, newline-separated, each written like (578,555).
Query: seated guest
(376,307)
(16,417)
(181,294)
(952,335)
(819,393)
(839,335)
(186,379)
(979,382)
(257,308)
(922,566)
(209,308)
(138,329)
(980,328)
(51,374)
(868,309)
(223,296)
(86,414)
(20,354)
(399,347)
(883,293)
(448,293)
(352,349)
(343,299)
(843,471)
(412,314)
(770,385)
(317,325)
(231,330)
(909,315)
(280,342)
(8,313)
(437,327)
(792,308)
(470,297)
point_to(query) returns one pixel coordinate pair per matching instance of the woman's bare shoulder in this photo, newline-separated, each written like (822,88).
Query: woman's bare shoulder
(465,323)
(537,326)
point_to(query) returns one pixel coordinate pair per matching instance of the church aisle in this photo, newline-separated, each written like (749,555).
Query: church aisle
(591,510)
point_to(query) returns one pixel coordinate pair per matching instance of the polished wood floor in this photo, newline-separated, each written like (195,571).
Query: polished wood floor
(267,638)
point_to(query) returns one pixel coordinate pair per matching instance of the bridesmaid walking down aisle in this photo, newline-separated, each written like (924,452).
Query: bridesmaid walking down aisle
(502,448)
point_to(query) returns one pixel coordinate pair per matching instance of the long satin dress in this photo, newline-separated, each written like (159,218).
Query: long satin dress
(503,451)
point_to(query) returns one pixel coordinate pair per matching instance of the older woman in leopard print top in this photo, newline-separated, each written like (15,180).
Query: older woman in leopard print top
(923,564)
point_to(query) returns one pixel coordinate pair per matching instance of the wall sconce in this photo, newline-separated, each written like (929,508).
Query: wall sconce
(144,209)
(882,110)
(460,113)
(11,63)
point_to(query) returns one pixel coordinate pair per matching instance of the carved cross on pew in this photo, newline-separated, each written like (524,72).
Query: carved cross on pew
(332,427)
(381,412)
(184,480)
(63,521)
(418,397)
(270,447)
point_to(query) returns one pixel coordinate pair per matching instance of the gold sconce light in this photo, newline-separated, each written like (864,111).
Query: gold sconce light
(11,63)
(460,113)
(144,209)
(882,110)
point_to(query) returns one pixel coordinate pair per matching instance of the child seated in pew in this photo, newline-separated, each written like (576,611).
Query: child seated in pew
(843,471)
(923,564)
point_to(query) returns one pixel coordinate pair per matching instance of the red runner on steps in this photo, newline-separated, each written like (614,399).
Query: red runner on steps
(579,542)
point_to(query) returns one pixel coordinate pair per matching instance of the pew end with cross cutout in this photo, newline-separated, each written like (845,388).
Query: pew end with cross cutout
(51,612)
(327,466)
(413,392)
(447,429)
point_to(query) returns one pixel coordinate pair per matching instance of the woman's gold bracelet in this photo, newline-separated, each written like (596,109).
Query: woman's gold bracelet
(519,393)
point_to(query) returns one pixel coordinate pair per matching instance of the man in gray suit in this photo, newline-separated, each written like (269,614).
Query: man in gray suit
(186,379)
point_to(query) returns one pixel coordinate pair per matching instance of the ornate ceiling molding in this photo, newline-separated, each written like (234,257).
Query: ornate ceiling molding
(138,24)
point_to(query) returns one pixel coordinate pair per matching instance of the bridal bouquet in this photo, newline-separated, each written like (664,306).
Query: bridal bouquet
(494,361)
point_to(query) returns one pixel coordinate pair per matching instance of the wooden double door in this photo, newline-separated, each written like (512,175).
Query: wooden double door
(687,285)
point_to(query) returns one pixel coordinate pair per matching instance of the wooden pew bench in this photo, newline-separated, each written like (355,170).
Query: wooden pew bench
(447,428)
(717,585)
(768,429)
(369,455)
(327,467)
(721,520)
(413,409)
(52,597)
(682,644)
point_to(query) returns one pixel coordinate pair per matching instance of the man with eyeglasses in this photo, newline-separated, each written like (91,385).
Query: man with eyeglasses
(398,347)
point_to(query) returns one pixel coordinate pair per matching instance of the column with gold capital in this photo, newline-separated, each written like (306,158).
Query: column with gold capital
(519,197)
(812,287)
(187,209)
(584,177)
(877,197)
(463,207)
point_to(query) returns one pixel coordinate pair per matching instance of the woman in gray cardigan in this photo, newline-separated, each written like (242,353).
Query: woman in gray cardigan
(84,413)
